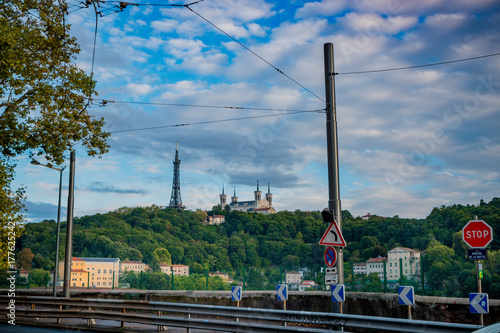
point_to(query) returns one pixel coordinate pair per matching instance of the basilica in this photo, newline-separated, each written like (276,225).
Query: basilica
(258,205)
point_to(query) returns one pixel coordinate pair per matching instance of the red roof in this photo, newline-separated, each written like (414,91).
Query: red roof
(132,262)
(379,259)
(74,259)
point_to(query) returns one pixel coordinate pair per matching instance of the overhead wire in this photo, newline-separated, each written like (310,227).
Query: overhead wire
(123,5)
(188,6)
(104,102)
(419,66)
(212,121)
(255,54)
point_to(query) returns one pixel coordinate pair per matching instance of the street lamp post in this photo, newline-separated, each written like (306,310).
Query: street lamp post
(54,283)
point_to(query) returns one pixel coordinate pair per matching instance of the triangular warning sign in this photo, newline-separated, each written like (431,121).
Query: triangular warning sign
(332,236)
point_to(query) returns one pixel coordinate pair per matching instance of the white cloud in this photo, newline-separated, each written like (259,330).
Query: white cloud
(372,25)
(138,90)
(322,8)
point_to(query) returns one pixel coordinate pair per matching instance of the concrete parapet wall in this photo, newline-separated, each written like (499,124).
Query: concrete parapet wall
(443,309)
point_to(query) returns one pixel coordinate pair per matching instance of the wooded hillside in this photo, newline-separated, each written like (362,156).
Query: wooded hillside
(266,242)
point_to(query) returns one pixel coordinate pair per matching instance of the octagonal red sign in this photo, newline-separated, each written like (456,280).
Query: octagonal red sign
(477,234)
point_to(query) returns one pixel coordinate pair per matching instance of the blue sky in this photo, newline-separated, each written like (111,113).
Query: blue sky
(409,140)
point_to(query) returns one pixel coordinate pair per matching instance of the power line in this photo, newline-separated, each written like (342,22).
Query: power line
(213,121)
(104,102)
(188,6)
(258,56)
(418,66)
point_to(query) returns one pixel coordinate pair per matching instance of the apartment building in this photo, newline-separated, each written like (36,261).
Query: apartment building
(405,260)
(133,266)
(360,268)
(293,277)
(167,269)
(93,272)
(180,270)
(376,265)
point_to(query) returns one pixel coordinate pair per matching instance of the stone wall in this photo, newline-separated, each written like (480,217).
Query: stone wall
(441,309)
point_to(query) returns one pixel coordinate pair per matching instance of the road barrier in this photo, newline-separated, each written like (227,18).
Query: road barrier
(219,318)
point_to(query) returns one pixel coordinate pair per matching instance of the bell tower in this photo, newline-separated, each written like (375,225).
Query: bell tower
(234,199)
(269,195)
(258,195)
(223,198)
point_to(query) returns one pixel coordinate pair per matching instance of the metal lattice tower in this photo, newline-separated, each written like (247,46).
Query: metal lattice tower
(175,199)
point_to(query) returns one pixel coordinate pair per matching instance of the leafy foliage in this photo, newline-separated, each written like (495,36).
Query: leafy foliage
(253,247)
(43,96)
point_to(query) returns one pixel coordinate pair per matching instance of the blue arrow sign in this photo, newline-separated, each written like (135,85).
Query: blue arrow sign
(406,295)
(282,290)
(478,303)
(236,293)
(338,293)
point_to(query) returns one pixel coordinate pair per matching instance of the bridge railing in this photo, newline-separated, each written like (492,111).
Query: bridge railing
(220,318)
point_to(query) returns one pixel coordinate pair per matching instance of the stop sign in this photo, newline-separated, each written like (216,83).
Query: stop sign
(477,234)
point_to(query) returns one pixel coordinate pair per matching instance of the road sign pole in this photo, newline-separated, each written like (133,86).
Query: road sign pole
(333,157)
(479,288)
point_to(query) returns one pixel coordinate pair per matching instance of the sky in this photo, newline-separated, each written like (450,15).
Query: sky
(245,79)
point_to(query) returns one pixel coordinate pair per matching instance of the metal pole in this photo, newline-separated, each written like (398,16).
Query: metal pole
(479,287)
(69,227)
(385,276)
(400,271)
(353,281)
(333,156)
(56,267)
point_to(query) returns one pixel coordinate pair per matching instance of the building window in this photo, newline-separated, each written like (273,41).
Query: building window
(104,271)
(99,271)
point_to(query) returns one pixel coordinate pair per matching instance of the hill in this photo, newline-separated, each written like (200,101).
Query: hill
(286,239)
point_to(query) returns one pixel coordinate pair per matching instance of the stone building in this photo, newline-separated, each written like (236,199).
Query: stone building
(258,205)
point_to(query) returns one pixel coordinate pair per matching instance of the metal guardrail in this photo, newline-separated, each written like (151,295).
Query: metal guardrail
(209,317)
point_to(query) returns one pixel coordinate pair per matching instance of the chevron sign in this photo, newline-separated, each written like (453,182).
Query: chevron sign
(236,293)
(282,290)
(406,296)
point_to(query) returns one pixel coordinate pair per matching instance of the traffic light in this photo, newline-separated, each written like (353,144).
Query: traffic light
(327,215)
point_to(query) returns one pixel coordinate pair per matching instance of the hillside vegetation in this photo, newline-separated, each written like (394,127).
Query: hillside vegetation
(267,242)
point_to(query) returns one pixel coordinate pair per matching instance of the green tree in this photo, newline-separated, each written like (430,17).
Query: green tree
(39,277)
(24,258)
(162,256)
(43,96)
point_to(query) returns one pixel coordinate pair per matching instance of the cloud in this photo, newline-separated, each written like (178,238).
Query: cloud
(409,140)
(101,187)
(320,8)
(40,211)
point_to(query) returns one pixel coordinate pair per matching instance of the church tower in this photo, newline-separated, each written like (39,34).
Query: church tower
(223,198)
(269,195)
(175,199)
(258,195)
(234,199)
